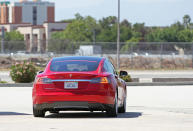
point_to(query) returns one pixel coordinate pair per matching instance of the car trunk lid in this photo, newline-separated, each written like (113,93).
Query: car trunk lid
(75,80)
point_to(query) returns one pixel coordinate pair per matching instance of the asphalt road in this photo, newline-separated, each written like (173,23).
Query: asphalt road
(148,109)
(4,75)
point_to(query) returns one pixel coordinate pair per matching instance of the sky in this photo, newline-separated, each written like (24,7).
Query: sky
(151,12)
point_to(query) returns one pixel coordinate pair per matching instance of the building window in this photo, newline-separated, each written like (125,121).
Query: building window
(34,15)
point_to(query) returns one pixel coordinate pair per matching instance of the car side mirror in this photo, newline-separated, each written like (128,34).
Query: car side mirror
(116,73)
(123,73)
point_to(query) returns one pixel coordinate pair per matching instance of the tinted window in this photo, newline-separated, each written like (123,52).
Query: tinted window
(108,67)
(112,69)
(73,65)
(105,67)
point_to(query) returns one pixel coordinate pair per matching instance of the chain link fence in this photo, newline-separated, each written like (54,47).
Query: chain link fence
(143,55)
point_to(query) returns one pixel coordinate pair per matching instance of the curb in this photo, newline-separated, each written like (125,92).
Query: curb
(160,84)
(17,85)
(162,80)
(128,84)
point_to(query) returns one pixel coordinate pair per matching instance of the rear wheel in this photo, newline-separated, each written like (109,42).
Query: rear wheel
(38,113)
(113,111)
(122,109)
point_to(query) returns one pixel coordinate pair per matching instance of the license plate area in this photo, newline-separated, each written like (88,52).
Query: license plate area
(70,85)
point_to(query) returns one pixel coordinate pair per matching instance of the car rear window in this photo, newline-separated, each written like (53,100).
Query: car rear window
(73,65)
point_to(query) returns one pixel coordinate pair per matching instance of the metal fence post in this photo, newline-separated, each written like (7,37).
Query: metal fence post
(192,53)
(131,56)
(161,53)
(2,40)
(184,60)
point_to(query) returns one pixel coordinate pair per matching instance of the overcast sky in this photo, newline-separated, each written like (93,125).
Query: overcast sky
(152,12)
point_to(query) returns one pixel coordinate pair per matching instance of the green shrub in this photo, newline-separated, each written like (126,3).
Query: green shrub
(3,82)
(126,78)
(23,73)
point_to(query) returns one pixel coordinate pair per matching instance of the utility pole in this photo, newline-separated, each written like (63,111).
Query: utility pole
(118,37)
(2,39)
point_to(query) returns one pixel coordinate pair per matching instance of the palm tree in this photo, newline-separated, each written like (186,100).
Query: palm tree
(186,21)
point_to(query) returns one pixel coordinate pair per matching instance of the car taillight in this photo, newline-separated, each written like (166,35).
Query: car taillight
(43,81)
(103,80)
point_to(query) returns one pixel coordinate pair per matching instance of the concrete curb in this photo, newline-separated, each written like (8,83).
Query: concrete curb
(162,80)
(128,84)
(159,84)
(17,85)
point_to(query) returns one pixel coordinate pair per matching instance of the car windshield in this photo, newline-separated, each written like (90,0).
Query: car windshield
(73,65)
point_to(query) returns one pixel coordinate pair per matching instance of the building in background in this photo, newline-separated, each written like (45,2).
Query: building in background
(34,19)
(4,12)
(39,35)
(35,12)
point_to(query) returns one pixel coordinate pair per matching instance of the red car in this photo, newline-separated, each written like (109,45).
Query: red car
(79,83)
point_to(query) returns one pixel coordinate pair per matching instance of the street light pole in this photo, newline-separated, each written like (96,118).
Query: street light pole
(118,37)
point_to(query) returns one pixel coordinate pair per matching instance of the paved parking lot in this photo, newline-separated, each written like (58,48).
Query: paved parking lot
(148,109)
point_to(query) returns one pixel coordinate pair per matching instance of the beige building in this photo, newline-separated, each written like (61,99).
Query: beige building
(37,37)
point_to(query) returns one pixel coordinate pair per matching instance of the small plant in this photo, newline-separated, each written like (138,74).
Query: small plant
(3,82)
(126,78)
(23,73)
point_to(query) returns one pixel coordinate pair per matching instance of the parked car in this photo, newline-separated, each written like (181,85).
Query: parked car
(79,83)
(21,53)
(89,50)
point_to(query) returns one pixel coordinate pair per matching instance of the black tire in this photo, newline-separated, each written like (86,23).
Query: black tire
(122,109)
(54,112)
(38,113)
(113,111)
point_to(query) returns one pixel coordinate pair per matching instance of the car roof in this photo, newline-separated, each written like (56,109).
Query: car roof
(89,58)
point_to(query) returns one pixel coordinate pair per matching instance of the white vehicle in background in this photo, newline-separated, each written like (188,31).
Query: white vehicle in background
(21,53)
(89,50)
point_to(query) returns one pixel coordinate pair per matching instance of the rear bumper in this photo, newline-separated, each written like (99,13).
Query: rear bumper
(87,97)
(73,105)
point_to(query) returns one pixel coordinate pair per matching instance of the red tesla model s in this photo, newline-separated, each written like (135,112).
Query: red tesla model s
(79,83)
